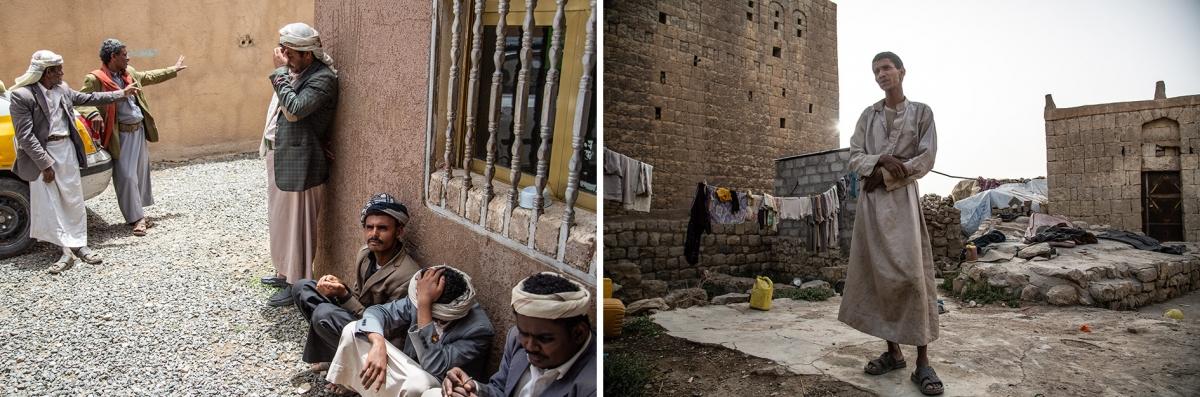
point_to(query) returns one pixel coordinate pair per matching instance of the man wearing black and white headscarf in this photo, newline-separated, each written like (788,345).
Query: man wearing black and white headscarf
(49,152)
(445,328)
(296,145)
(382,275)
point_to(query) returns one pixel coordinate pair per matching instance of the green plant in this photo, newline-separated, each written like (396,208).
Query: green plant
(984,293)
(625,374)
(807,294)
(641,326)
(948,285)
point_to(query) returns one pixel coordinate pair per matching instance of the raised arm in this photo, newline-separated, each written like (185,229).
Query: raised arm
(319,90)
(152,77)
(96,98)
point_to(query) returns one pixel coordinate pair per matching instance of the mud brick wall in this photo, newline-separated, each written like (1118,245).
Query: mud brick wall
(714,90)
(646,256)
(1096,155)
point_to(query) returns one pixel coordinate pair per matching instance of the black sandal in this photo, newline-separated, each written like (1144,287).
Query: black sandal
(884,364)
(928,381)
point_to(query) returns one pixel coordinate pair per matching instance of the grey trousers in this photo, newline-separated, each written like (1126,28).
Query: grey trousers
(131,175)
(325,318)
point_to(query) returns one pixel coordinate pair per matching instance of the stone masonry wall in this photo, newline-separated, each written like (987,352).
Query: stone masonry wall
(646,256)
(1096,155)
(715,90)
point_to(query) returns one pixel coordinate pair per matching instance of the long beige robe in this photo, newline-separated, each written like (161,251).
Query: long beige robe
(890,291)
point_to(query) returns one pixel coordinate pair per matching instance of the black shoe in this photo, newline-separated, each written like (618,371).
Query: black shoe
(281,298)
(274,281)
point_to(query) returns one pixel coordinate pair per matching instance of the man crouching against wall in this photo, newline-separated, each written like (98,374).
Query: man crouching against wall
(445,329)
(550,352)
(383,271)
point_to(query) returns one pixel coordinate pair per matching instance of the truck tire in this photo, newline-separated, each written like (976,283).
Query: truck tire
(14,217)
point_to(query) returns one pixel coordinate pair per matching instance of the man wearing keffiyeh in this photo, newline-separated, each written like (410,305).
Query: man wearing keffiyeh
(550,352)
(296,138)
(383,273)
(445,328)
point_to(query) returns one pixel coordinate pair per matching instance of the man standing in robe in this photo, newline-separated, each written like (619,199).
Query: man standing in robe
(296,145)
(128,128)
(49,153)
(889,290)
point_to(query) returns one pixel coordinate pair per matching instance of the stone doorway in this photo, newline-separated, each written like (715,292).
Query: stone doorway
(1162,205)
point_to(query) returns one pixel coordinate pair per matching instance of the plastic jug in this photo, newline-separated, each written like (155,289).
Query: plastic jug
(614,317)
(760,294)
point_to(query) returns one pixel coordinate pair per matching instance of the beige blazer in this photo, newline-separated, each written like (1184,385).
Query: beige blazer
(389,283)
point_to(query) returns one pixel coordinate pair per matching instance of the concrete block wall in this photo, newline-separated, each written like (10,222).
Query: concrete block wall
(810,174)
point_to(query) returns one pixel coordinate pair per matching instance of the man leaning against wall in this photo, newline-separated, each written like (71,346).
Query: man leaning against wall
(295,143)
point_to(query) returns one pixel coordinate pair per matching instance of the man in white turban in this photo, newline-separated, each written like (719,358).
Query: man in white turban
(296,146)
(444,329)
(550,352)
(49,152)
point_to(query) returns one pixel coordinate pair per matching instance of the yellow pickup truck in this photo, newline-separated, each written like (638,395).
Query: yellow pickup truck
(14,192)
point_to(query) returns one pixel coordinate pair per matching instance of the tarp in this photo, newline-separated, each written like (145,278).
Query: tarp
(973,210)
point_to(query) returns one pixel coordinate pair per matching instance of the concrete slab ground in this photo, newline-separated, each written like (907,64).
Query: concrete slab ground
(983,351)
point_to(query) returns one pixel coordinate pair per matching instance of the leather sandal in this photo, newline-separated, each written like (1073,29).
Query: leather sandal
(928,381)
(139,228)
(884,364)
(63,264)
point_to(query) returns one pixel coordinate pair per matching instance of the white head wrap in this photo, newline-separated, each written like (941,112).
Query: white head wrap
(301,37)
(552,306)
(38,64)
(456,309)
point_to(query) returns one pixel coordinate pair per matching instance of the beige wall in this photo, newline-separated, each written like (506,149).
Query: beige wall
(217,105)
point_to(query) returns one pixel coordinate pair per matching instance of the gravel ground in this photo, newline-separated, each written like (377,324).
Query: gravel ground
(178,312)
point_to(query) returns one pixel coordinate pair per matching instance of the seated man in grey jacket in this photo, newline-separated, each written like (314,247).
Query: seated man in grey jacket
(550,352)
(444,329)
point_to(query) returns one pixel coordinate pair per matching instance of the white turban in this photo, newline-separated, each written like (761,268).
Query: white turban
(38,64)
(552,306)
(456,309)
(301,37)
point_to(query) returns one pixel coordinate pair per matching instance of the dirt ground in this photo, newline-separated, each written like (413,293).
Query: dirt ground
(678,367)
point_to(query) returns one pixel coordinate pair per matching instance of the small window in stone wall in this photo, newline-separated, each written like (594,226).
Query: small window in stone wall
(662,77)
(782,122)
(695,60)
(749,16)
(810,108)
(785,92)
(800,24)
(750,96)
(776,52)
(657,113)
(662,17)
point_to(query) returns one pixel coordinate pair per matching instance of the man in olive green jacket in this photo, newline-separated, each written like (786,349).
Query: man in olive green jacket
(128,126)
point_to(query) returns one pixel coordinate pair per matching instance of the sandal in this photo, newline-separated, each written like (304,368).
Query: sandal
(339,390)
(88,256)
(884,364)
(928,381)
(319,367)
(139,228)
(63,264)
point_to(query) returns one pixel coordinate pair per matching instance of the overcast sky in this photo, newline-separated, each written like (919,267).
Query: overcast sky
(984,68)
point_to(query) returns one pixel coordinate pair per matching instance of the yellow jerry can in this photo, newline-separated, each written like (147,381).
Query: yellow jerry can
(614,317)
(760,295)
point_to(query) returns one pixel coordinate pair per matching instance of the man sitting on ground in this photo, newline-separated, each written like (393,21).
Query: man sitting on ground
(383,272)
(453,331)
(550,352)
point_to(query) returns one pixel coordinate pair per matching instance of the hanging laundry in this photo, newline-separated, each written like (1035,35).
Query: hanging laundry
(723,212)
(698,224)
(852,184)
(795,208)
(627,181)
